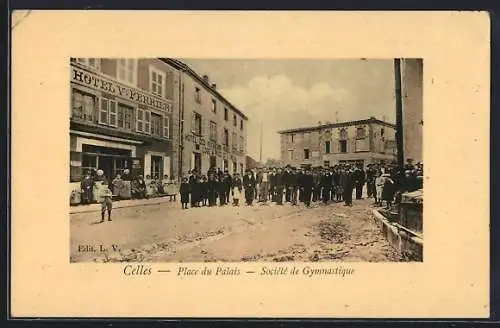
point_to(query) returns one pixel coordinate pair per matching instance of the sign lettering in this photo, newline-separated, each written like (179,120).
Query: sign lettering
(101,83)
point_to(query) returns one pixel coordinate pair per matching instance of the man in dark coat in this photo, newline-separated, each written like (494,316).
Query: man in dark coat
(317,174)
(249,185)
(87,187)
(348,186)
(285,178)
(293,186)
(228,182)
(272,183)
(278,190)
(212,189)
(192,188)
(326,185)
(307,185)
(359,181)
(370,181)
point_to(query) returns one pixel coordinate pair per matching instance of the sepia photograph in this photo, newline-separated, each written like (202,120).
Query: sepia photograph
(245,160)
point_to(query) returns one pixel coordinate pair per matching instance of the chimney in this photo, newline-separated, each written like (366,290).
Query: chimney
(205,78)
(214,86)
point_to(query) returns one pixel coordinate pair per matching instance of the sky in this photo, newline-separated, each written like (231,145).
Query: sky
(284,94)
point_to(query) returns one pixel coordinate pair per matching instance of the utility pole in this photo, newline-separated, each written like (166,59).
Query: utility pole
(261,132)
(399,113)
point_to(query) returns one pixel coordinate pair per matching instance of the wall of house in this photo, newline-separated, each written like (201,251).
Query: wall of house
(234,152)
(412,90)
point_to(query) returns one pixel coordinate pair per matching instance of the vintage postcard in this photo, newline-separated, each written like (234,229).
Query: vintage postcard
(229,164)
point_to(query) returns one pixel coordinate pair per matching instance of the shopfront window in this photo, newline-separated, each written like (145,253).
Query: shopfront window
(156,167)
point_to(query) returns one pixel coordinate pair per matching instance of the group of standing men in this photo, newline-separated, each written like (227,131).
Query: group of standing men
(275,184)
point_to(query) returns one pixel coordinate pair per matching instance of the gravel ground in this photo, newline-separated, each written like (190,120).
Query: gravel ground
(265,233)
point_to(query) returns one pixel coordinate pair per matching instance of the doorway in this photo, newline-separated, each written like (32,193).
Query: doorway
(213,161)
(197,162)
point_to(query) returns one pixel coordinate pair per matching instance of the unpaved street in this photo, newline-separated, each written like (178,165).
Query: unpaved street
(164,232)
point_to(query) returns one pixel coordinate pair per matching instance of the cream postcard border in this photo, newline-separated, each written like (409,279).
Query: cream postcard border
(452,281)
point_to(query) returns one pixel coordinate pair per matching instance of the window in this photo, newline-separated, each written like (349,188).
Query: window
(108,112)
(83,107)
(156,167)
(241,125)
(126,70)
(226,114)
(197,96)
(306,153)
(214,106)
(343,146)
(235,120)
(213,131)
(291,138)
(156,125)
(327,147)
(382,132)
(235,141)
(125,117)
(241,168)
(157,82)
(143,121)
(343,134)
(226,137)
(166,127)
(242,144)
(360,133)
(196,124)
(95,63)
(290,155)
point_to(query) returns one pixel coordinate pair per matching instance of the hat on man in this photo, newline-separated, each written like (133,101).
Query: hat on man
(100,172)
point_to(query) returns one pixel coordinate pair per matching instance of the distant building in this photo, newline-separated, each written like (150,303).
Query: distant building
(361,142)
(412,91)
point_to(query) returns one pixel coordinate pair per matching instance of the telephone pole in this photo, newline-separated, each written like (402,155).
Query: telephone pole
(399,113)
(261,132)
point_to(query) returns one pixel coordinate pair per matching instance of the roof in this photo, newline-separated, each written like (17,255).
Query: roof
(180,65)
(338,125)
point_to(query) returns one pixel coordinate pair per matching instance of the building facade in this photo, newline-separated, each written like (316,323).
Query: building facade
(412,90)
(362,142)
(123,115)
(212,131)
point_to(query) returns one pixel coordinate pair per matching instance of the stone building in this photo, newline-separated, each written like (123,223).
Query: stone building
(361,142)
(412,91)
(123,115)
(212,130)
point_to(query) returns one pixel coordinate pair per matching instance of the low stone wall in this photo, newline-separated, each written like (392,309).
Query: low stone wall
(409,245)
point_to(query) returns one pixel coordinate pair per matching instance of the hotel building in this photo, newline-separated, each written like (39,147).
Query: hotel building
(123,115)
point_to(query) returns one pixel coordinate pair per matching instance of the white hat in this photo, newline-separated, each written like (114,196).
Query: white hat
(100,172)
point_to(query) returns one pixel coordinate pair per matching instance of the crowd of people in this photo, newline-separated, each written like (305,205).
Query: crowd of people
(384,183)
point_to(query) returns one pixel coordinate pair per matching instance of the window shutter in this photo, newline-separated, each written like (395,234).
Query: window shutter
(140,114)
(193,122)
(112,113)
(103,111)
(166,127)
(147,121)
